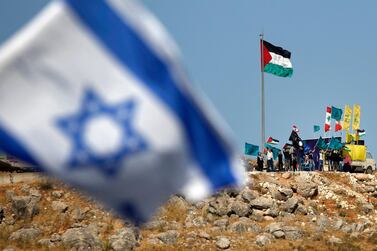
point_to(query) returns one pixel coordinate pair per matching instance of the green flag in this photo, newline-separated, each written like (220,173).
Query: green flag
(336,113)
(321,144)
(251,149)
(317,128)
(335,144)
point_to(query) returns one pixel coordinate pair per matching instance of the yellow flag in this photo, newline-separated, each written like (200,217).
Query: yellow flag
(350,137)
(347,118)
(356,117)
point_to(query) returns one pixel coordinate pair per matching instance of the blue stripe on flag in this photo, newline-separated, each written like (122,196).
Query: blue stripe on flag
(129,48)
(10,145)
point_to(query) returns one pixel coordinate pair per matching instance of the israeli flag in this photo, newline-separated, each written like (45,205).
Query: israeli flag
(92,93)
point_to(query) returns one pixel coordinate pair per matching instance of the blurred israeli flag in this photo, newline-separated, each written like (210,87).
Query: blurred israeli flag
(91,92)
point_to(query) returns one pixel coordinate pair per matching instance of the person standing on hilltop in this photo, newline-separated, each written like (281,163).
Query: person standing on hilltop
(292,158)
(270,161)
(280,161)
(260,162)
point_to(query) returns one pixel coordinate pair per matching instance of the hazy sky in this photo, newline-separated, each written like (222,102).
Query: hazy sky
(333,47)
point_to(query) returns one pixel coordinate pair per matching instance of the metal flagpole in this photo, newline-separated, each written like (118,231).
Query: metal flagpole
(262,94)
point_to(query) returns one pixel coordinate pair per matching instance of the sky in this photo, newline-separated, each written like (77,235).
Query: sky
(333,49)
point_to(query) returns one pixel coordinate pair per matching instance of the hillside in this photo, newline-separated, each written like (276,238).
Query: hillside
(275,211)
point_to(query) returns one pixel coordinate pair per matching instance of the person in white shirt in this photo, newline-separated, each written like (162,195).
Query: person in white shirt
(270,161)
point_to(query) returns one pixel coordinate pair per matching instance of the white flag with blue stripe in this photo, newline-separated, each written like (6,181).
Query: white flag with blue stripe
(91,92)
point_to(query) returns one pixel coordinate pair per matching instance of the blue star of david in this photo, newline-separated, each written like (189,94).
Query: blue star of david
(75,125)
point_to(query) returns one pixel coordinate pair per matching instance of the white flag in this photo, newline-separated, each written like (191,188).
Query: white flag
(91,92)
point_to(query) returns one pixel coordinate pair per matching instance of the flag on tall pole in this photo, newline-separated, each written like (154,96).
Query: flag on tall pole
(97,80)
(328,119)
(276,60)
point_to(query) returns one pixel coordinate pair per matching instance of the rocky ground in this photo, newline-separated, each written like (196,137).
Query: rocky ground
(275,211)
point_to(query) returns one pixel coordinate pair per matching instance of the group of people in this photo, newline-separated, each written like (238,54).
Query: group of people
(291,159)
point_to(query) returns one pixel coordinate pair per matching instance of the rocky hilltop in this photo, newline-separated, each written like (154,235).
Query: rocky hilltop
(275,211)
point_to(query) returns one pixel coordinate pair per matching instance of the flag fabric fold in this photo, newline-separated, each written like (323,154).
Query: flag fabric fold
(98,80)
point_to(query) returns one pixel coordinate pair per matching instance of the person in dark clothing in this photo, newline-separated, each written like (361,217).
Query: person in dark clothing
(260,162)
(280,162)
(294,163)
(287,160)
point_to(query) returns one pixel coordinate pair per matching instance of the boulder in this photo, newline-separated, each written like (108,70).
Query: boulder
(219,206)
(307,189)
(124,239)
(223,243)
(59,206)
(262,203)
(81,238)
(263,239)
(239,208)
(286,175)
(25,234)
(292,233)
(24,207)
(275,229)
(290,205)
(244,225)
(249,195)
(168,237)
(287,192)
(301,209)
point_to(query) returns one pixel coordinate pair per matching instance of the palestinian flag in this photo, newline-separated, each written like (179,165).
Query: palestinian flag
(276,60)
(328,119)
(272,141)
(361,133)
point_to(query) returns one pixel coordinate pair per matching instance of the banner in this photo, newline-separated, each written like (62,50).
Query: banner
(356,117)
(347,118)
